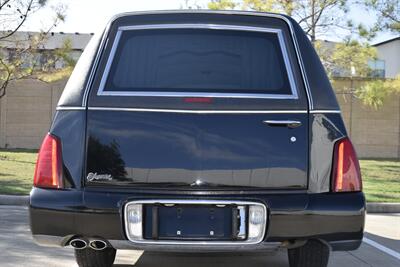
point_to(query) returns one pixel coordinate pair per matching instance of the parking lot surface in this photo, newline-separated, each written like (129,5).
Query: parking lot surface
(380,248)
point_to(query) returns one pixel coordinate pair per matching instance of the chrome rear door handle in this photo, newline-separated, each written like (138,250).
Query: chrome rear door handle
(288,123)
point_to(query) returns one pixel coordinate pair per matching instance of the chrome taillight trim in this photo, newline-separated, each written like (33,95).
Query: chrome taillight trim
(195,202)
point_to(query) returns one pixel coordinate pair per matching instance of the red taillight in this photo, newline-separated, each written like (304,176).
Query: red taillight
(203,100)
(346,174)
(48,172)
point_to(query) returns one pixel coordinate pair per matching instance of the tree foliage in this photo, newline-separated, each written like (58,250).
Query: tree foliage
(222,4)
(388,13)
(14,13)
(316,17)
(374,92)
(24,55)
(349,58)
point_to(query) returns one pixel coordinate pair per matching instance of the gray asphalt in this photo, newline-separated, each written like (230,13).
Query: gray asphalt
(18,249)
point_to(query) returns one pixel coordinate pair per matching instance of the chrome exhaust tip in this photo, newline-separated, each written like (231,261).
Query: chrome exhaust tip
(78,243)
(98,244)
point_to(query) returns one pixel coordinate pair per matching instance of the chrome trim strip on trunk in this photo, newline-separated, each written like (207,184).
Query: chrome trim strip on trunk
(102,92)
(197,111)
(200,111)
(285,19)
(195,202)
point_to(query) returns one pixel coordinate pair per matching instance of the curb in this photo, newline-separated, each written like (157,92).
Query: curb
(14,200)
(383,207)
(371,207)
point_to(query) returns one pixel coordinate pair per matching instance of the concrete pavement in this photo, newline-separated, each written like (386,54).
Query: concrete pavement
(17,249)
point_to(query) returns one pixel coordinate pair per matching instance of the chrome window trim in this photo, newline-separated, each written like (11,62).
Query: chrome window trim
(200,111)
(262,14)
(324,111)
(103,92)
(102,45)
(199,202)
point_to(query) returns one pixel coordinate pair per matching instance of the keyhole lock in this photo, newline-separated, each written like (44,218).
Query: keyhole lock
(293,139)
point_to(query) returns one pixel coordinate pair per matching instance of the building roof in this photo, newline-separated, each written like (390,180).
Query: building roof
(388,41)
(54,40)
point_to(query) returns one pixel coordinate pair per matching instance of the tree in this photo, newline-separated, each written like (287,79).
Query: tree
(13,14)
(374,93)
(23,55)
(221,5)
(388,13)
(191,4)
(316,17)
(349,58)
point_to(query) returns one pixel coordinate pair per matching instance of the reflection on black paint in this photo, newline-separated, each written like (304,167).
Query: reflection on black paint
(105,159)
(228,149)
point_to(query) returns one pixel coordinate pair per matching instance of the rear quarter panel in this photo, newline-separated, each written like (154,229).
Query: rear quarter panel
(325,129)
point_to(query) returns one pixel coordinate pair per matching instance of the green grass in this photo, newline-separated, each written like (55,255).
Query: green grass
(381,178)
(16,170)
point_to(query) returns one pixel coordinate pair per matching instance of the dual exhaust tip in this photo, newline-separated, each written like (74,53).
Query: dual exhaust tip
(96,244)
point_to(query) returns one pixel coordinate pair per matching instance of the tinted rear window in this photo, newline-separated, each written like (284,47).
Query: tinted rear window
(198,60)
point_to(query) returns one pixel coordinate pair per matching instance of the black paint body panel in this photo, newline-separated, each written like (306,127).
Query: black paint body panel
(325,129)
(331,217)
(176,146)
(226,149)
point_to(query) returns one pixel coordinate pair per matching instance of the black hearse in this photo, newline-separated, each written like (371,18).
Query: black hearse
(198,131)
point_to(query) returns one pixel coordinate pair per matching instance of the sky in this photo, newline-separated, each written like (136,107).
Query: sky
(86,16)
(90,15)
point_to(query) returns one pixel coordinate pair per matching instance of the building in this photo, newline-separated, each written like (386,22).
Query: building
(388,61)
(27,109)
(29,105)
(386,65)
(52,41)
